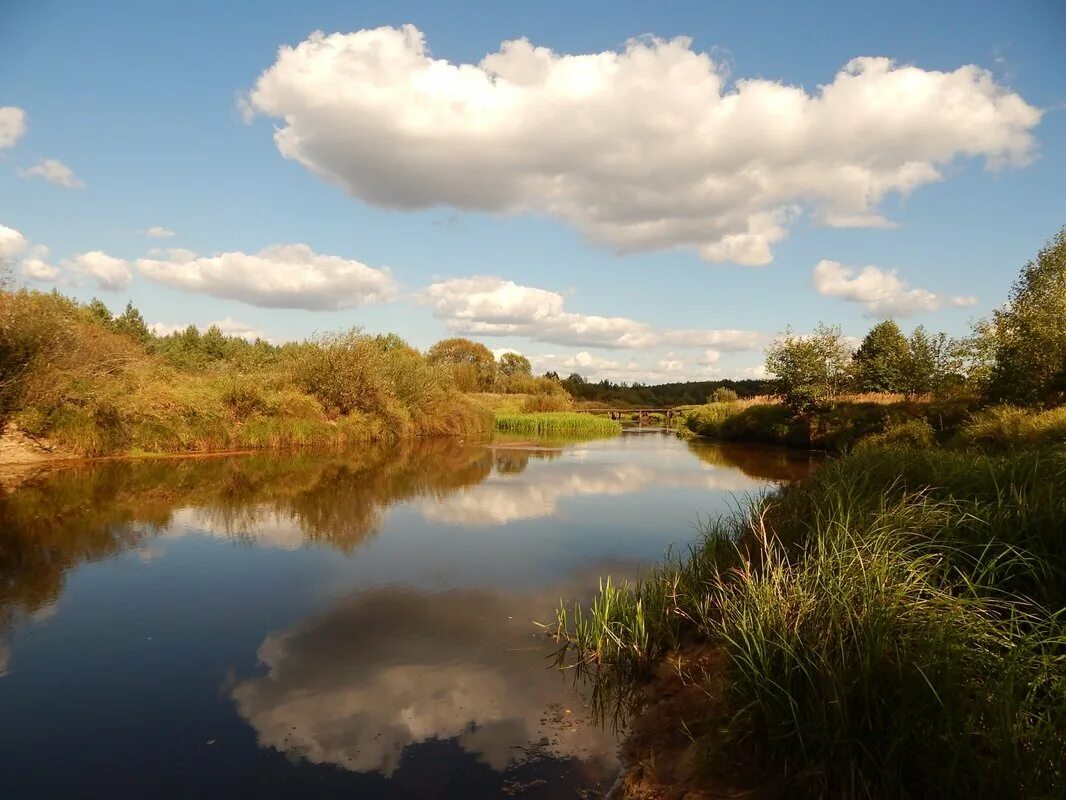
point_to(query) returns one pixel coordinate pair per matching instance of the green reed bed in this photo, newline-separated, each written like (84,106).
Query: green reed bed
(892,627)
(561,423)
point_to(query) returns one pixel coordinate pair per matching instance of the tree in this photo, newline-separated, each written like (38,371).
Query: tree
(512,364)
(213,343)
(472,364)
(132,324)
(99,313)
(810,370)
(1026,339)
(880,363)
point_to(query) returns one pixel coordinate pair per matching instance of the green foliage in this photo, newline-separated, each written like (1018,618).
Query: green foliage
(891,627)
(1002,427)
(911,433)
(881,362)
(723,395)
(343,370)
(512,364)
(557,423)
(129,323)
(810,370)
(95,385)
(1026,339)
(471,363)
(835,426)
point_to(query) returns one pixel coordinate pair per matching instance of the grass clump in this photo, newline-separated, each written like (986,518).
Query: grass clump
(557,424)
(892,626)
(1009,426)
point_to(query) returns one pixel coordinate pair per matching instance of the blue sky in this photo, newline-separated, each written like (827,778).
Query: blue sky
(142,101)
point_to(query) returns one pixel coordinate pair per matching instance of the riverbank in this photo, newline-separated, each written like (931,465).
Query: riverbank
(891,626)
(844,424)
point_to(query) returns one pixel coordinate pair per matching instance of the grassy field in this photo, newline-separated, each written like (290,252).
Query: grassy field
(891,627)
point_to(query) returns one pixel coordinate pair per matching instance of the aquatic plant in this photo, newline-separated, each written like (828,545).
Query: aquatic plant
(557,423)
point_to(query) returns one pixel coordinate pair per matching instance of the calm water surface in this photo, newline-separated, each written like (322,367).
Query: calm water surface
(308,625)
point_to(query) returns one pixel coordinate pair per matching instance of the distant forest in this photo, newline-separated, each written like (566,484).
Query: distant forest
(664,394)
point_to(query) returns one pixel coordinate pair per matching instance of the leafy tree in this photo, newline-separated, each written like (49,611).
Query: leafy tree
(722,395)
(810,370)
(472,364)
(881,362)
(1026,339)
(512,364)
(131,323)
(552,375)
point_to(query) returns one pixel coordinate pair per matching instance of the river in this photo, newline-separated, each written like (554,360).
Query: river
(325,625)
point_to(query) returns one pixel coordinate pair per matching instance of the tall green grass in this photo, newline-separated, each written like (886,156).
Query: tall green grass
(892,627)
(560,423)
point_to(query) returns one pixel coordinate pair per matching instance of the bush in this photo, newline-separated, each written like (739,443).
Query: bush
(1008,426)
(912,433)
(546,402)
(722,395)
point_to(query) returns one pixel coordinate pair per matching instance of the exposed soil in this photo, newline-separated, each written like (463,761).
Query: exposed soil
(671,750)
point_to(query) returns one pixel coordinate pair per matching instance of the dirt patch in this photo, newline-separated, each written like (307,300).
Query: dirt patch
(674,747)
(18,448)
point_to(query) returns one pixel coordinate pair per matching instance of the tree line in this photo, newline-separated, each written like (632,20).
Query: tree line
(1017,356)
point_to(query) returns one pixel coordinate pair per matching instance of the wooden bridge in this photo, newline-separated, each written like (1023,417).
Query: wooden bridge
(642,413)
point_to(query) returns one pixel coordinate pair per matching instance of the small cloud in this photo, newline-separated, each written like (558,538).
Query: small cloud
(963,301)
(54,171)
(881,291)
(110,273)
(159,232)
(38,270)
(12,126)
(12,242)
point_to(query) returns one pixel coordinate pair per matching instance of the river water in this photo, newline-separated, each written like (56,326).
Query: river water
(311,625)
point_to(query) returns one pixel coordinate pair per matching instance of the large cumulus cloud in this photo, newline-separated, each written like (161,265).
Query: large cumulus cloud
(644,148)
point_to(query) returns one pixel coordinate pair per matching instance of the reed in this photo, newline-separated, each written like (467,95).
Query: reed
(560,423)
(893,626)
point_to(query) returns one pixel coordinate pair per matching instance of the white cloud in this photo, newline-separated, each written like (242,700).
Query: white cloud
(12,126)
(163,329)
(110,273)
(882,292)
(710,357)
(757,372)
(12,242)
(232,327)
(37,269)
(670,364)
(159,232)
(963,301)
(53,171)
(491,306)
(280,276)
(646,148)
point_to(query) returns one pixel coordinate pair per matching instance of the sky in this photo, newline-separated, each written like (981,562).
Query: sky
(634,191)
